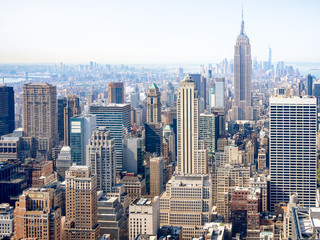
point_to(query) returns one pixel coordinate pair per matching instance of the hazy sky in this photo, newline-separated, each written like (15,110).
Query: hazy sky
(150,31)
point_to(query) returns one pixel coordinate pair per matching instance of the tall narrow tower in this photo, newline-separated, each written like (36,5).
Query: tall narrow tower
(192,155)
(153,105)
(241,109)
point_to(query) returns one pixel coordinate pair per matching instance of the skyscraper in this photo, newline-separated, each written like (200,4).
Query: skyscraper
(67,108)
(309,84)
(208,131)
(102,159)
(81,204)
(242,109)
(116,119)
(293,153)
(153,127)
(82,128)
(7,120)
(115,92)
(156,176)
(192,155)
(220,92)
(40,117)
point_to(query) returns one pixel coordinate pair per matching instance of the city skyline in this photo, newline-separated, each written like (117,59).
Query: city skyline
(144,32)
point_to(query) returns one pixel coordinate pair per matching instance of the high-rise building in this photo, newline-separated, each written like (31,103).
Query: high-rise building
(135,99)
(293,150)
(7,117)
(81,204)
(153,127)
(153,104)
(156,176)
(192,155)
(115,92)
(6,221)
(241,109)
(63,162)
(220,92)
(134,150)
(40,117)
(116,119)
(68,107)
(102,159)
(36,216)
(201,86)
(208,131)
(82,128)
(309,84)
(143,217)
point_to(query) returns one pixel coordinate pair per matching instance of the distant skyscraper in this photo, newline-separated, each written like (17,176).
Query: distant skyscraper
(153,104)
(82,128)
(116,118)
(201,86)
(135,99)
(115,92)
(81,204)
(102,159)
(40,116)
(309,84)
(242,109)
(7,118)
(192,155)
(220,92)
(293,150)
(153,128)
(67,108)
(269,59)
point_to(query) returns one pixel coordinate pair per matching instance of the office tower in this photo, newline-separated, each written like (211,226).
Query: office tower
(6,221)
(245,212)
(116,119)
(220,92)
(301,88)
(39,172)
(269,59)
(187,202)
(212,98)
(134,150)
(200,85)
(208,131)
(7,117)
(68,107)
(153,127)
(242,109)
(102,159)
(309,84)
(36,216)
(135,186)
(112,217)
(12,181)
(81,204)
(115,92)
(156,176)
(63,162)
(192,155)
(40,117)
(135,99)
(293,153)
(153,104)
(316,94)
(143,217)
(82,128)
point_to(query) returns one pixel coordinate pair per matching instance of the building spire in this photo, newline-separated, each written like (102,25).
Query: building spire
(242,24)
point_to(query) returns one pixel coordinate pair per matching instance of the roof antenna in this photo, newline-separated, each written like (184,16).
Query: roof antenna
(242,23)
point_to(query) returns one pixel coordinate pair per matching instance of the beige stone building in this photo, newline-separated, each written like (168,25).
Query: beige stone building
(36,216)
(81,220)
(156,176)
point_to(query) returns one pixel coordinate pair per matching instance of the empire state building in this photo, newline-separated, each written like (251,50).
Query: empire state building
(242,109)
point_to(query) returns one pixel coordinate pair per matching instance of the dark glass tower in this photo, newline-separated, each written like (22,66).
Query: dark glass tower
(6,110)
